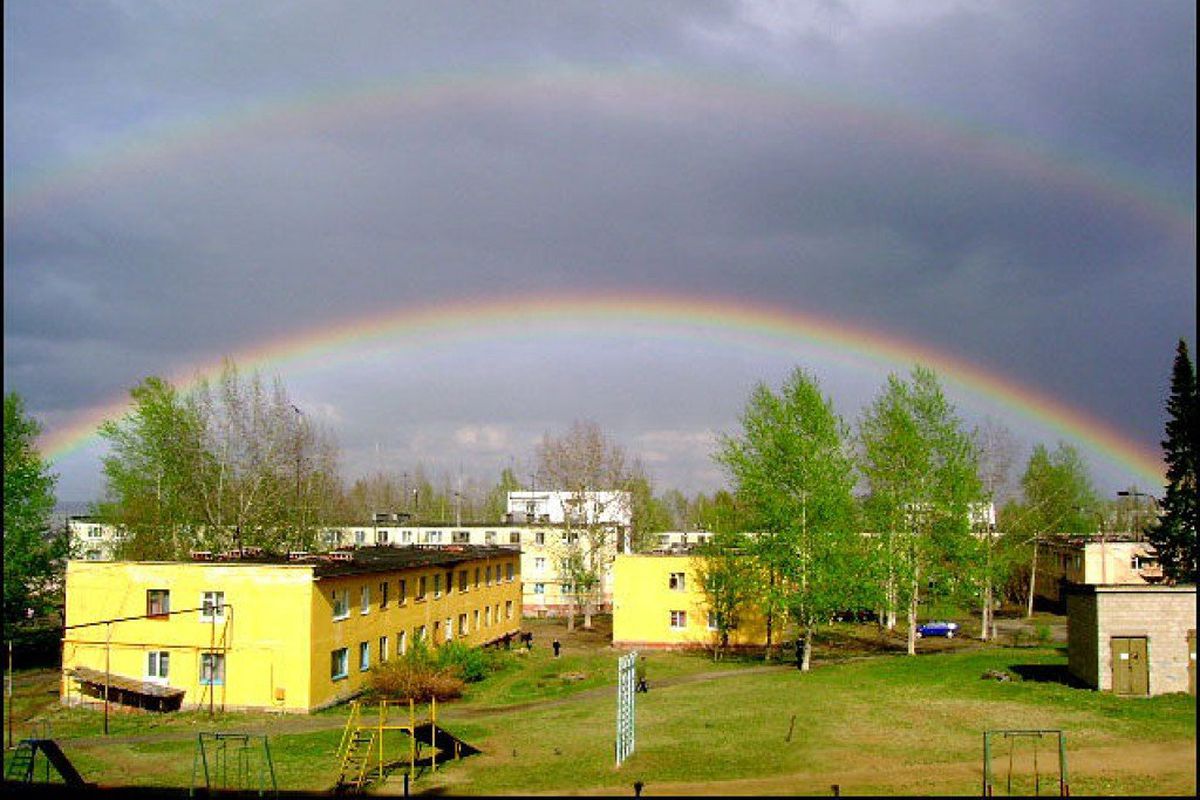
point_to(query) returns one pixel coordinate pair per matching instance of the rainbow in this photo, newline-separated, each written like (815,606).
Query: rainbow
(664,316)
(614,90)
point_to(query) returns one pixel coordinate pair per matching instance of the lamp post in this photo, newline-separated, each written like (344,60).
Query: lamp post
(1135,494)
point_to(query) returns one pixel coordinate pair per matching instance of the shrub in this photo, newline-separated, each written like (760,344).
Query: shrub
(412,679)
(1043,633)
(471,664)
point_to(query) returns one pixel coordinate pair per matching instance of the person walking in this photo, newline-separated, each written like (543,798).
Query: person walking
(556,646)
(640,673)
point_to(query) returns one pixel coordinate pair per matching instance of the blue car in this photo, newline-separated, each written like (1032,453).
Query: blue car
(946,629)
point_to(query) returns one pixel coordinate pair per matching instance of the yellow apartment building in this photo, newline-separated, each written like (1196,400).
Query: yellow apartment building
(295,633)
(658,603)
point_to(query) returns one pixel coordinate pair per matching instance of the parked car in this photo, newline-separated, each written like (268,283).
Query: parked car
(946,629)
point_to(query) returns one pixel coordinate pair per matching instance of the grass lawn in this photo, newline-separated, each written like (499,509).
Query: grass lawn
(866,718)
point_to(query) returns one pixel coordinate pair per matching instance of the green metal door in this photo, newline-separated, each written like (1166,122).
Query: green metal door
(1130,667)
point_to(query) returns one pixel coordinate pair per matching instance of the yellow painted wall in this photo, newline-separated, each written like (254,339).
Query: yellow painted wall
(643,601)
(278,634)
(328,634)
(265,639)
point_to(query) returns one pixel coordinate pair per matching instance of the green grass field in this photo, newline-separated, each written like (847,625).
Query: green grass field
(865,718)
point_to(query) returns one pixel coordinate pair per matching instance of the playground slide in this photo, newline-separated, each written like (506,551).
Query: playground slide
(443,740)
(58,759)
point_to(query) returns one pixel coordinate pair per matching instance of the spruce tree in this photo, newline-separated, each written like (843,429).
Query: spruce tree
(1174,534)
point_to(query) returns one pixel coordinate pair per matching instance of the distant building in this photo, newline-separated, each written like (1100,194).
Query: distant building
(294,633)
(93,540)
(659,604)
(1067,560)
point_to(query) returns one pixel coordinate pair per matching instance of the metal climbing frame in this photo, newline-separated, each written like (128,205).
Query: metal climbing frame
(1036,736)
(216,767)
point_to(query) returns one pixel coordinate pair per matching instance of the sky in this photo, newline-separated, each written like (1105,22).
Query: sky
(403,210)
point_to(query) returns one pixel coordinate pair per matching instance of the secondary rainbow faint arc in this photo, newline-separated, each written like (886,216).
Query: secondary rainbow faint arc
(668,316)
(424,93)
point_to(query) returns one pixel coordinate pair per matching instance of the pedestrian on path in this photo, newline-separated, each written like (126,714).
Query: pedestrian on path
(640,673)
(556,645)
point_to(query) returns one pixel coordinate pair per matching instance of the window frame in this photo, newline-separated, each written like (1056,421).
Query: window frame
(364,656)
(341,596)
(160,609)
(218,606)
(158,665)
(678,623)
(216,662)
(334,674)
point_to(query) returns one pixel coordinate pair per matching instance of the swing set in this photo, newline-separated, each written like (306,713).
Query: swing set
(1035,736)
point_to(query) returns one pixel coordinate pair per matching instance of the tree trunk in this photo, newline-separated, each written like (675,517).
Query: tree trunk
(912,614)
(1032,578)
(807,662)
(986,614)
(587,615)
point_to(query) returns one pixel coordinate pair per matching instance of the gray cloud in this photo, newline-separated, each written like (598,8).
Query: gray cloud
(1011,183)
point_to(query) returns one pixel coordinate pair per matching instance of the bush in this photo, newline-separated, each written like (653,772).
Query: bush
(471,664)
(411,679)
(1043,633)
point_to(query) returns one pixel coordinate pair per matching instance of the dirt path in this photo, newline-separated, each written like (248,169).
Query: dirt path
(1172,765)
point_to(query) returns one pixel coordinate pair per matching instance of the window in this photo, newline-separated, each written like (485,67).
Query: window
(437,631)
(157,664)
(383,649)
(381,537)
(487,616)
(365,594)
(449,581)
(539,564)
(433,537)
(401,643)
(93,555)
(475,620)
(421,587)
(664,539)
(402,595)
(383,595)
(212,669)
(510,571)
(565,589)
(462,580)
(507,610)
(437,585)
(462,625)
(339,664)
(678,620)
(487,575)
(539,588)
(489,537)
(422,635)
(360,537)
(514,537)
(341,604)
(364,656)
(449,629)
(94,532)
(477,577)
(158,602)
(539,537)
(406,537)
(212,607)
(677,582)
(460,537)
(712,621)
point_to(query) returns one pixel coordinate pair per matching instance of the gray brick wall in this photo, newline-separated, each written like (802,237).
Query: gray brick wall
(1163,615)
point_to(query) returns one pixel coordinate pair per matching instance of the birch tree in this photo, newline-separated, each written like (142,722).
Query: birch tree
(729,577)
(791,469)
(997,448)
(594,471)
(922,471)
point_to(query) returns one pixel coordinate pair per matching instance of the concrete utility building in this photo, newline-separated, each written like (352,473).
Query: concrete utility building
(297,633)
(1133,640)
(1114,558)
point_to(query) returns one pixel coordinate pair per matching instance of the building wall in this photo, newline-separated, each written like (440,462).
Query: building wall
(1162,614)
(643,600)
(404,615)
(1082,653)
(1096,563)
(263,647)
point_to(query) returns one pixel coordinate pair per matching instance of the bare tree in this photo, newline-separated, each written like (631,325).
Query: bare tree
(997,448)
(593,471)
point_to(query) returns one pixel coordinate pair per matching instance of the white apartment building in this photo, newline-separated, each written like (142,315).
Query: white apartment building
(92,540)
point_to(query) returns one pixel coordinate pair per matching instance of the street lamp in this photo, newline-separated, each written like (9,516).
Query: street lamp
(1135,494)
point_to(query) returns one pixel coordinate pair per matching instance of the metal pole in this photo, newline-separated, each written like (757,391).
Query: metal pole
(107,672)
(9,687)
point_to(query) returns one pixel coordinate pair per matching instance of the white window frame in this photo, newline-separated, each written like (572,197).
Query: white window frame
(677,582)
(508,609)
(449,629)
(364,595)
(539,564)
(383,648)
(463,626)
(401,643)
(209,606)
(678,620)
(712,621)
(340,597)
(364,656)
(539,588)
(158,665)
(339,664)
(217,666)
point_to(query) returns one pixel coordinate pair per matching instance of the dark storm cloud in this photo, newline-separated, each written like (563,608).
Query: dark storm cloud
(1009,182)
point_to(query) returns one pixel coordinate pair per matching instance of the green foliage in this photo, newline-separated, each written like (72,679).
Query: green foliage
(794,475)
(650,514)
(729,576)
(1059,497)
(32,554)
(1174,533)
(471,664)
(921,468)
(496,503)
(417,675)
